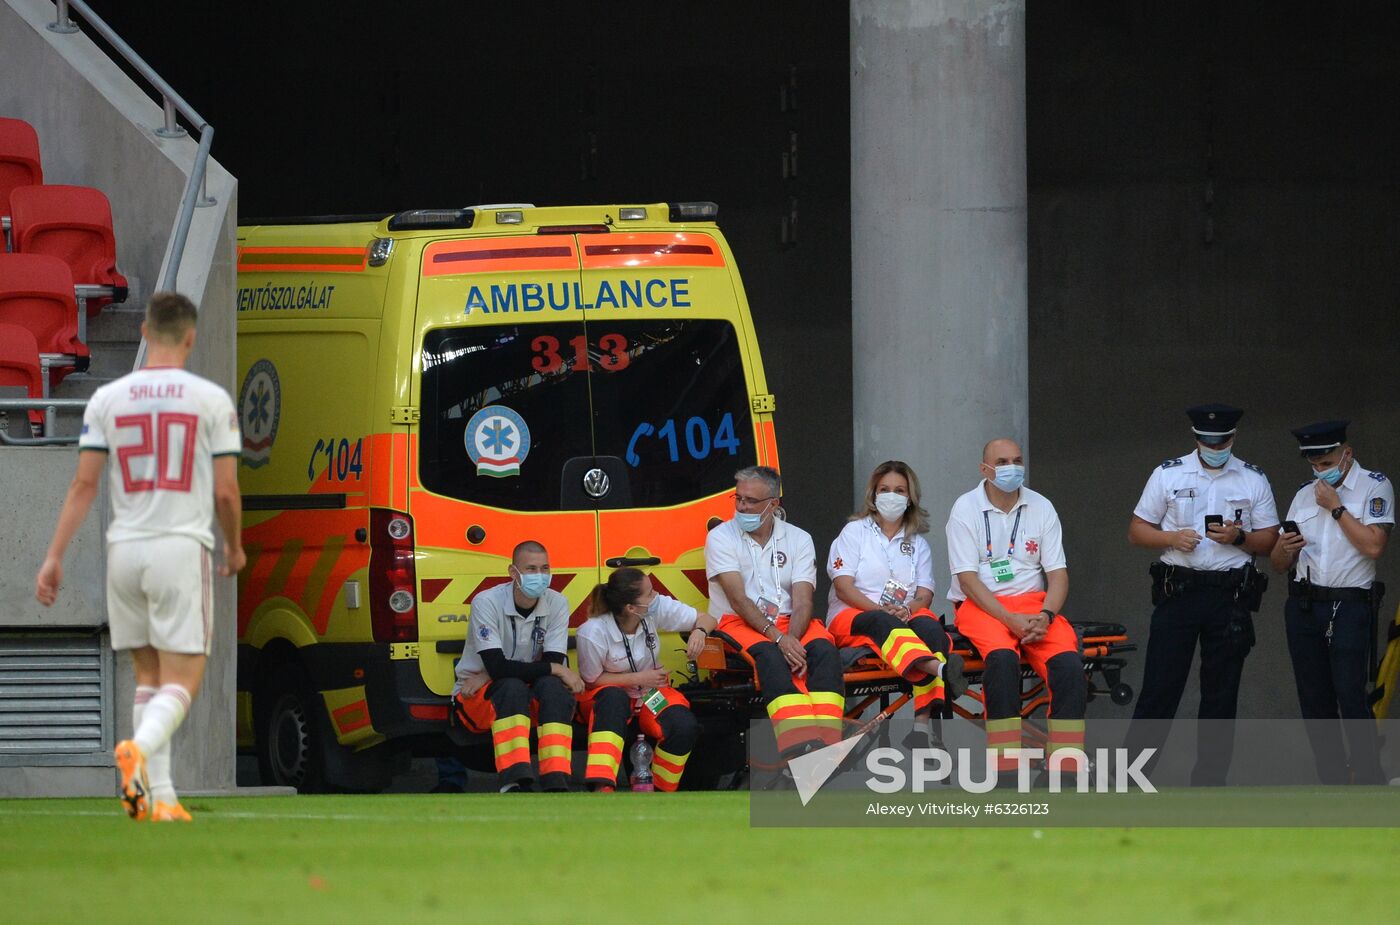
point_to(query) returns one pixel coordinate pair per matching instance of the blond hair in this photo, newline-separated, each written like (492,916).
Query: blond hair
(915,518)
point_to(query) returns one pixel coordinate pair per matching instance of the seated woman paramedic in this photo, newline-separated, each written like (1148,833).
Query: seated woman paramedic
(619,661)
(881,572)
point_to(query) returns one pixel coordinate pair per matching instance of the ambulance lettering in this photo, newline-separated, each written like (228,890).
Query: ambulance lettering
(268,297)
(496,298)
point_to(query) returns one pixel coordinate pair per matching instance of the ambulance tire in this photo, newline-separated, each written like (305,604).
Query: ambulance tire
(297,748)
(291,736)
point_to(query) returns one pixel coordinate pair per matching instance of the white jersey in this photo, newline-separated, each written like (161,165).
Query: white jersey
(161,428)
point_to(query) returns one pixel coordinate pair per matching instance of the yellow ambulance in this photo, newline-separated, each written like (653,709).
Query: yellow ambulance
(421,392)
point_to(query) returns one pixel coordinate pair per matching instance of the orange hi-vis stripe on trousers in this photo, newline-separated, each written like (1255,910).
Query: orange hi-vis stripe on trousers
(666,769)
(511,737)
(827,710)
(901,649)
(604,757)
(1065,733)
(556,748)
(793,720)
(1002,736)
(930,690)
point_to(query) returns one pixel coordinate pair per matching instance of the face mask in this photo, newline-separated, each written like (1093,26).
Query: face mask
(1009,478)
(533,585)
(1333,476)
(749,522)
(891,505)
(652,605)
(1216,458)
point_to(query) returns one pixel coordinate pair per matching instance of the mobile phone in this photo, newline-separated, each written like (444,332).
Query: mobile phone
(1216,519)
(1290,527)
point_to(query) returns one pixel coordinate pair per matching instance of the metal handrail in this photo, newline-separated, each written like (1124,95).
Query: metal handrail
(196,193)
(50,407)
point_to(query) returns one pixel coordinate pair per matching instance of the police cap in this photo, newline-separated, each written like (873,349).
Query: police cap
(1321,438)
(1214,424)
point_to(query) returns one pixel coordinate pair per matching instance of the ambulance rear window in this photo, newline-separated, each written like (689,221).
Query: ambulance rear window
(505,408)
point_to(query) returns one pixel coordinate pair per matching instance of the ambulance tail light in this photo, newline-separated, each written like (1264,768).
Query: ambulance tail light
(693,211)
(573,229)
(393,577)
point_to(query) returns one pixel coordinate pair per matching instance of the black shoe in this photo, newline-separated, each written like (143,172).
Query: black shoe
(954,683)
(524,785)
(554,783)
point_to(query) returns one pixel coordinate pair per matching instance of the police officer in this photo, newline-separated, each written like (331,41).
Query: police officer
(1343,519)
(1210,513)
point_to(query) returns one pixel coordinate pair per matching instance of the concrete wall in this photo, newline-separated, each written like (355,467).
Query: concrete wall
(96,128)
(1214,216)
(938,241)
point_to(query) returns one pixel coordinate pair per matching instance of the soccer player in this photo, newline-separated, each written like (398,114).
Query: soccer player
(176,442)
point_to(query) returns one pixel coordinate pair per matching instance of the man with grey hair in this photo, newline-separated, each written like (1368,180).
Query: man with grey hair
(763,573)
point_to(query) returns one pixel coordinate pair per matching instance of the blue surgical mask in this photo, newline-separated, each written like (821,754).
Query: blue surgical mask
(534,584)
(1332,476)
(748,522)
(1216,458)
(1010,478)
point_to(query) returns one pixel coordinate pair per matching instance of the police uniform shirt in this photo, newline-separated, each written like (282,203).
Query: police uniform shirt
(1181,492)
(601,646)
(980,533)
(768,571)
(1329,558)
(496,623)
(863,552)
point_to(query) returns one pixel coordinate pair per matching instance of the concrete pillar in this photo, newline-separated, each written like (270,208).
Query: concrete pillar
(938,240)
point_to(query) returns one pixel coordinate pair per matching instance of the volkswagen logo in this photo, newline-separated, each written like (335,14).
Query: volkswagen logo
(596,483)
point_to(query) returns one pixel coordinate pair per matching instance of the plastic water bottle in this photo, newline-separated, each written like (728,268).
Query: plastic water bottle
(641,766)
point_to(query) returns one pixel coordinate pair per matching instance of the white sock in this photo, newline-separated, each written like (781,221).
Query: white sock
(162,716)
(138,706)
(921,724)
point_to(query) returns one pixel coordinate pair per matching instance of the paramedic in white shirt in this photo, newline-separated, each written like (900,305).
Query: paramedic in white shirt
(619,660)
(763,574)
(881,572)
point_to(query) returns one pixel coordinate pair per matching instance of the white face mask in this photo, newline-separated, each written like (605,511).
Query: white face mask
(891,505)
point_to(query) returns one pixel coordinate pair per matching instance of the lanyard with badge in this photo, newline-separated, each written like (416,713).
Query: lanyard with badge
(1002,569)
(652,698)
(768,608)
(536,637)
(895,591)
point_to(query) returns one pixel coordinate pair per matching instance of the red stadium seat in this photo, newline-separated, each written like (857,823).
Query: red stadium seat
(19,364)
(19,160)
(74,224)
(36,292)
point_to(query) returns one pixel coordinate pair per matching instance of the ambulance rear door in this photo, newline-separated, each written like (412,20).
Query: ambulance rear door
(671,409)
(503,403)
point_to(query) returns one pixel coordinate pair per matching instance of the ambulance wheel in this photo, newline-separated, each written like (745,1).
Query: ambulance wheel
(1121,694)
(291,742)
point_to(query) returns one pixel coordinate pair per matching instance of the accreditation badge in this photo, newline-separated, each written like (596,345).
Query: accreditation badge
(1002,571)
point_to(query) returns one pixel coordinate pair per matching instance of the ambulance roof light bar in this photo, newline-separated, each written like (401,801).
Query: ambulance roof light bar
(431,218)
(693,211)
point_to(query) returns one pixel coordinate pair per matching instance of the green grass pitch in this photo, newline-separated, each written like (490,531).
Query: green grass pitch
(624,858)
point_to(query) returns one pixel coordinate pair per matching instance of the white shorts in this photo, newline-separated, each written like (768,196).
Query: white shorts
(160,594)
